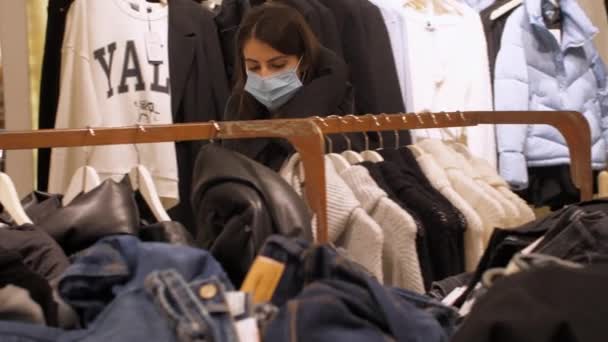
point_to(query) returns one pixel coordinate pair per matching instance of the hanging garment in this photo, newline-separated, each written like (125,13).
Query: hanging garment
(552,186)
(473,246)
(448,73)
(57,11)
(118,76)
(241,193)
(228,18)
(489,175)
(374,76)
(511,217)
(349,226)
(493,28)
(199,88)
(395,27)
(490,210)
(400,264)
(422,244)
(328,93)
(443,230)
(536,72)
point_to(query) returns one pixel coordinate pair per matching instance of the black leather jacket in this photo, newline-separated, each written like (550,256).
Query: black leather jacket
(238,203)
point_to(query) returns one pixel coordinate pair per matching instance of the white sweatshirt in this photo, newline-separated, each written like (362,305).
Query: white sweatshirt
(111,76)
(447,70)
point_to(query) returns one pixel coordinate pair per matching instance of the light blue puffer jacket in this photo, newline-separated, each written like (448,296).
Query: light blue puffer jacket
(533,72)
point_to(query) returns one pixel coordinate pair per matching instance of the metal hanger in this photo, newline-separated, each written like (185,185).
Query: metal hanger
(142,180)
(351,156)
(368,154)
(339,162)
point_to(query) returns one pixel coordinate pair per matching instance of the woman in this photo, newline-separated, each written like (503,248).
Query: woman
(283,72)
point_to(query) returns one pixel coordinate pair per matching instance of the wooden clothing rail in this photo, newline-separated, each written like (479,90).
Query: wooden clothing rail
(307,137)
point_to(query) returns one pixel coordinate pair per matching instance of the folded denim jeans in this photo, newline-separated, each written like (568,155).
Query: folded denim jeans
(326,297)
(198,311)
(105,284)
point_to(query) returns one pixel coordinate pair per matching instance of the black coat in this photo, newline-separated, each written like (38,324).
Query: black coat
(49,83)
(199,89)
(239,204)
(367,51)
(327,93)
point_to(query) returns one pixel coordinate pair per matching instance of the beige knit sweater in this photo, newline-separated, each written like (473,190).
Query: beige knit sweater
(349,224)
(400,263)
(489,209)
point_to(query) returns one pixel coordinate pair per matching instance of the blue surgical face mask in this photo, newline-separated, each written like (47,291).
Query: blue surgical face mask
(275,90)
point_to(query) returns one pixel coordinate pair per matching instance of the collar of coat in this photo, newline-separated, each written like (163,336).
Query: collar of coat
(577,29)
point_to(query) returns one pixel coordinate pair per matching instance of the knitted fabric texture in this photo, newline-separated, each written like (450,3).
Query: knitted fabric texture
(472,239)
(490,211)
(401,266)
(489,174)
(349,226)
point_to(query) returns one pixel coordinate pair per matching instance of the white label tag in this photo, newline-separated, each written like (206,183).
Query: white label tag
(247,330)
(236,302)
(154,47)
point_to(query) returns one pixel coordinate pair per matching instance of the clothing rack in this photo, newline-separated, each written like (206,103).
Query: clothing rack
(307,137)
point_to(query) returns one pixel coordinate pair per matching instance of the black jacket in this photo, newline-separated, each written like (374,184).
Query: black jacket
(199,88)
(328,93)
(367,51)
(49,83)
(238,204)
(546,304)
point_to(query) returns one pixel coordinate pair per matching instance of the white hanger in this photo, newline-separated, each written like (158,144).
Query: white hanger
(433,7)
(142,180)
(417,150)
(10,200)
(504,9)
(84,180)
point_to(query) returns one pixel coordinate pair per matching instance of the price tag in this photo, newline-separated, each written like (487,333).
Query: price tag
(154,47)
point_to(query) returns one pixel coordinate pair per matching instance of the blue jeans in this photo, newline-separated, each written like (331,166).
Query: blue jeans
(446,316)
(338,301)
(105,284)
(198,311)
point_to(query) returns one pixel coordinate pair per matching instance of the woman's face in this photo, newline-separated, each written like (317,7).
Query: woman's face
(262,59)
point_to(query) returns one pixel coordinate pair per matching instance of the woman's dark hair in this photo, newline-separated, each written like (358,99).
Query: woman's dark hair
(285,30)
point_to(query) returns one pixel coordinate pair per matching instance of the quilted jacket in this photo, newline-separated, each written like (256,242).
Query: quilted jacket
(536,72)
